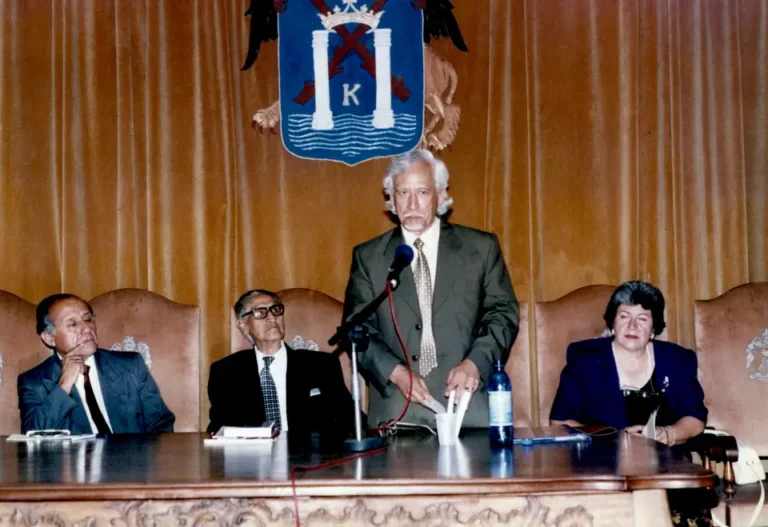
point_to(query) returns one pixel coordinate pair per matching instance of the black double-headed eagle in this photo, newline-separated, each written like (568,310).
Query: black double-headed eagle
(438,22)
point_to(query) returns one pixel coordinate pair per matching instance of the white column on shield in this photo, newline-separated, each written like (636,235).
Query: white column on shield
(322,119)
(382,115)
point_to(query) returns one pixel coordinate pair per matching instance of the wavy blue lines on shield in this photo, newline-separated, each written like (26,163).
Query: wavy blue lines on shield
(353,138)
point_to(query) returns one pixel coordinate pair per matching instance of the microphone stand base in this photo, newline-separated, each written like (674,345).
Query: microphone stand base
(364,444)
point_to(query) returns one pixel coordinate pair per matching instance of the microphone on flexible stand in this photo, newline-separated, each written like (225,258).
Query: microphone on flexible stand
(403,258)
(358,337)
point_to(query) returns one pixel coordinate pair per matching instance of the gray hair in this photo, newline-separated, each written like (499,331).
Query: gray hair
(49,326)
(44,323)
(401,163)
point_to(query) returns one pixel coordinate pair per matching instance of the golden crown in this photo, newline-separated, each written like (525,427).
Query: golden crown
(351,15)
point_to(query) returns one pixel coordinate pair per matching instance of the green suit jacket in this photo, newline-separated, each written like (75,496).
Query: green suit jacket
(474,317)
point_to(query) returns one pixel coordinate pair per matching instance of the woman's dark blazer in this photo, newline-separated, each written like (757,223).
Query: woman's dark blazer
(589,389)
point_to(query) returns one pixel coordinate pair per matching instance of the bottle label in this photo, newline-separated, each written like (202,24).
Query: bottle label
(500,406)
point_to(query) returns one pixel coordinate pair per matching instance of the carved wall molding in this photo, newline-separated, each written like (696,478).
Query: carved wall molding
(534,514)
(592,510)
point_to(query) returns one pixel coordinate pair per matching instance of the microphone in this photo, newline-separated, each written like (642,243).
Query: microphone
(403,258)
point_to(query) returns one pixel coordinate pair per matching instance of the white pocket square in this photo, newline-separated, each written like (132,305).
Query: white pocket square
(314,391)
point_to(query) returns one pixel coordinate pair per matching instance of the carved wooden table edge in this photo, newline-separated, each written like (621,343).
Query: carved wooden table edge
(671,482)
(350,488)
(342,488)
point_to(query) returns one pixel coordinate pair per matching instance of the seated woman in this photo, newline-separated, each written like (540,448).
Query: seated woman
(629,380)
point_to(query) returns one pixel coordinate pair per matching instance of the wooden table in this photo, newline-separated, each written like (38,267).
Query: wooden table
(174,479)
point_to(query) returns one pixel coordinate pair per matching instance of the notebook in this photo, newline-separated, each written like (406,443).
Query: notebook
(549,434)
(265,433)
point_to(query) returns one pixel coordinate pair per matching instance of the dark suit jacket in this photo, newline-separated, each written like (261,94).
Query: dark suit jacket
(132,399)
(589,390)
(234,390)
(474,316)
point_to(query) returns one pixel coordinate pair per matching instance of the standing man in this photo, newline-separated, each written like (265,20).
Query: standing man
(455,305)
(82,388)
(300,391)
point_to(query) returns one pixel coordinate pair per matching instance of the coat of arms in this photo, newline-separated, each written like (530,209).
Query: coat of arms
(758,348)
(354,79)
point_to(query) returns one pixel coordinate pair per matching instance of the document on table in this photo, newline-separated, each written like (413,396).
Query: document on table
(237,434)
(38,436)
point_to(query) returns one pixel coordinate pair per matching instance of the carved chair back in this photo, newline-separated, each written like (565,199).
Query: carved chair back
(167,334)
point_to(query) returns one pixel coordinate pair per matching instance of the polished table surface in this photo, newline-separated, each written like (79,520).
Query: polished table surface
(180,466)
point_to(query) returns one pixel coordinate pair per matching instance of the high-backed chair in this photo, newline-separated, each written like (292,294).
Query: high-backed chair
(731,334)
(518,368)
(311,318)
(167,334)
(573,317)
(20,350)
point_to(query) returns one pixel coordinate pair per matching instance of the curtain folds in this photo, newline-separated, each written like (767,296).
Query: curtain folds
(602,140)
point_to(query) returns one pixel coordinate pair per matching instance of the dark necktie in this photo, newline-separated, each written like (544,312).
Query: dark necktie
(93,406)
(269,392)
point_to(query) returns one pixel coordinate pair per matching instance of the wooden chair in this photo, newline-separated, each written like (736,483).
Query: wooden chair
(731,334)
(570,318)
(20,350)
(518,368)
(167,334)
(311,318)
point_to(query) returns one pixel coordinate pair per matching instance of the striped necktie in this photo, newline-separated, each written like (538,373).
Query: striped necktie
(269,393)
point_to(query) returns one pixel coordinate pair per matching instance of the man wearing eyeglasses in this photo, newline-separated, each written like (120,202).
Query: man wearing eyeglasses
(300,391)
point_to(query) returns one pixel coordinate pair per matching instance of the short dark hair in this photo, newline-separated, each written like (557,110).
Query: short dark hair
(634,293)
(240,304)
(43,310)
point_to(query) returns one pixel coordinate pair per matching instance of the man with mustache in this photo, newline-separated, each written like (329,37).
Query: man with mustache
(85,389)
(455,307)
(300,391)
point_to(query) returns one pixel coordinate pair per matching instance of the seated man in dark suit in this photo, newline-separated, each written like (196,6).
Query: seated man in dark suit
(85,389)
(299,390)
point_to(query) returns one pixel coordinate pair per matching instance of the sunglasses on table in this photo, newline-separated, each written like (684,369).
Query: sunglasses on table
(260,313)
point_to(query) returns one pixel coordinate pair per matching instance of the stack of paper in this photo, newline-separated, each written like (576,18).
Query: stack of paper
(239,434)
(48,435)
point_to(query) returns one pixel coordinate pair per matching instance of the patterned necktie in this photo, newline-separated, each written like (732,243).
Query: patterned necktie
(269,392)
(428,360)
(90,399)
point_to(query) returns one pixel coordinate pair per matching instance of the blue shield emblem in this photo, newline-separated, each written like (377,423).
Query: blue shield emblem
(351,78)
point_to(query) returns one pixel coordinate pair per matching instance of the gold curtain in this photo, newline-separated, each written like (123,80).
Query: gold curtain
(602,140)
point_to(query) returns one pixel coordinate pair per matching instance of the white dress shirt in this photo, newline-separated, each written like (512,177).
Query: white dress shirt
(93,375)
(279,370)
(431,239)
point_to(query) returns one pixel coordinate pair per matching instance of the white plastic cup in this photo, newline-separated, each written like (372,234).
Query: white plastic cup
(446,429)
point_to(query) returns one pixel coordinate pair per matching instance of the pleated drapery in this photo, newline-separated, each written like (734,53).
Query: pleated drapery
(602,140)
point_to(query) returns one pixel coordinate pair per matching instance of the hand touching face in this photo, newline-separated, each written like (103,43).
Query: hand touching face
(74,328)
